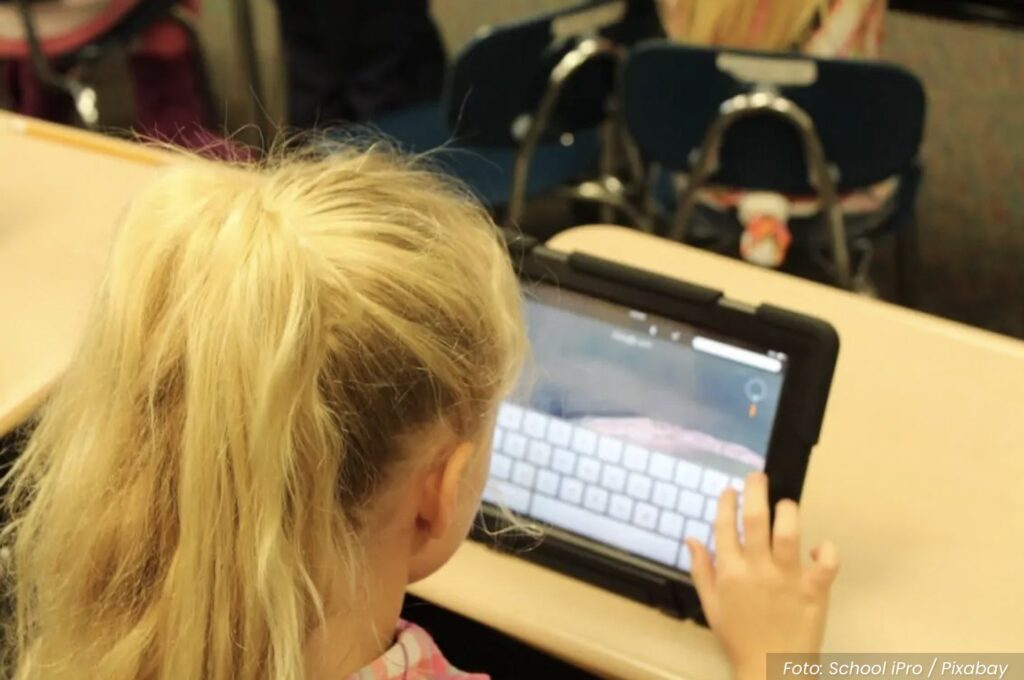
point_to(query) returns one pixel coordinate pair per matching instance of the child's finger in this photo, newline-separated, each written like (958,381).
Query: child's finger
(727,542)
(786,534)
(826,565)
(756,518)
(703,573)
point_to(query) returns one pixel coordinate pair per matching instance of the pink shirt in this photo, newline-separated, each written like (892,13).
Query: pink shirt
(413,656)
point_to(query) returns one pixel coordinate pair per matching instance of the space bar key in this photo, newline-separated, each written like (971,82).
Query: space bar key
(604,529)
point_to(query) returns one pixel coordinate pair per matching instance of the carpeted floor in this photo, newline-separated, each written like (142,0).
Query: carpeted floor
(971,207)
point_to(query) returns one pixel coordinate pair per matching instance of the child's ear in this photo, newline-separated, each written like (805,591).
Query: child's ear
(440,498)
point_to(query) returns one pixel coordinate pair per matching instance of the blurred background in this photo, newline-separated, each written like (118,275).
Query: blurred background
(969,56)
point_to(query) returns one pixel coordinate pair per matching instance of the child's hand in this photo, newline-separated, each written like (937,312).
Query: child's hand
(758,597)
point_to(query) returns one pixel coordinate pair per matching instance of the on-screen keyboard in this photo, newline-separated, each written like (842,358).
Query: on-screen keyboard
(601,487)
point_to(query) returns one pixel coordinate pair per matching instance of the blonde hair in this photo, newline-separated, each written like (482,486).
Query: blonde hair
(261,340)
(750,24)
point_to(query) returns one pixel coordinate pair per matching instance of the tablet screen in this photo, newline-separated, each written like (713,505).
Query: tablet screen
(626,427)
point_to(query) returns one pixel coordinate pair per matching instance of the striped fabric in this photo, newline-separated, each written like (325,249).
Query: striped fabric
(413,656)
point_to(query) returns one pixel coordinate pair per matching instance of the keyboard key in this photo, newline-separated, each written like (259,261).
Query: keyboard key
(559,432)
(697,529)
(535,424)
(565,461)
(613,478)
(671,525)
(496,445)
(588,469)
(523,474)
(605,529)
(609,450)
(515,444)
(572,490)
(635,458)
(690,503)
(510,416)
(547,482)
(664,495)
(714,483)
(685,559)
(595,498)
(662,466)
(539,453)
(645,516)
(584,441)
(688,474)
(638,486)
(501,466)
(513,497)
(621,507)
(711,511)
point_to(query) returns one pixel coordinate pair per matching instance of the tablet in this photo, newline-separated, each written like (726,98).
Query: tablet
(645,397)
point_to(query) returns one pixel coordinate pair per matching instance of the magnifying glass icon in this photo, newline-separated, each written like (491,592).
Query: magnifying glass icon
(755,390)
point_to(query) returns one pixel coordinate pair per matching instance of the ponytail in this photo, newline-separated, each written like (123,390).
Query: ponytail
(260,342)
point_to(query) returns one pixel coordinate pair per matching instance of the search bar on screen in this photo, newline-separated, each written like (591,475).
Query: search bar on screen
(737,354)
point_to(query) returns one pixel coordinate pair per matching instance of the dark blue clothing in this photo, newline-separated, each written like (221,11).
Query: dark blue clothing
(351,60)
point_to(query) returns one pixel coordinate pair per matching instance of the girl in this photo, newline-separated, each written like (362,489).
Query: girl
(278,419)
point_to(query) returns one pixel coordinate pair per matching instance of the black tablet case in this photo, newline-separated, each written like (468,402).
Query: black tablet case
(812,346)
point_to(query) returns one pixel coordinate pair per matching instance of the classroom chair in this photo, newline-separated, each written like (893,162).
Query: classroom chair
(524,110)
(790,124)
(56,36)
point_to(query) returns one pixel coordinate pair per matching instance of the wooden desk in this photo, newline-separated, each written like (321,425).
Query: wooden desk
(915,477)
(61,192)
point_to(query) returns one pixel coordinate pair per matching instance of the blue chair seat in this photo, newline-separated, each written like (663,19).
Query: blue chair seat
(488,170)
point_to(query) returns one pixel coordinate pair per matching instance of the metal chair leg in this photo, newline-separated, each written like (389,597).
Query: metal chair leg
(606,166)
(906,262)
(648,202)
(838,244)
(862,282)
(591,48)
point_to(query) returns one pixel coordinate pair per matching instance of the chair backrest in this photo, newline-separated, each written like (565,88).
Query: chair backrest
(502,73)
(868,115)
